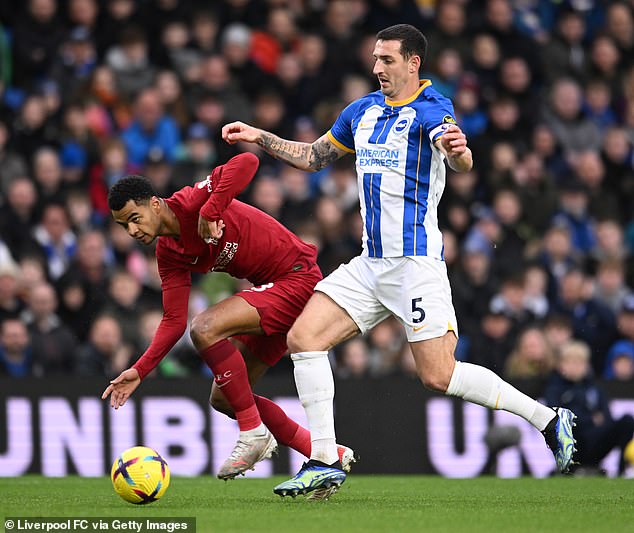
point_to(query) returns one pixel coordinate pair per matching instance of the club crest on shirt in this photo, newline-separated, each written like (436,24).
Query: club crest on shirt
(205,183)
(402,125)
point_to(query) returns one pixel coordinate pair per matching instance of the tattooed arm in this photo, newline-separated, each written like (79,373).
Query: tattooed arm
(304,156)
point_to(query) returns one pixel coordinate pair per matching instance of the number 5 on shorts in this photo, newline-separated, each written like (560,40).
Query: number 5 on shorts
(417,310)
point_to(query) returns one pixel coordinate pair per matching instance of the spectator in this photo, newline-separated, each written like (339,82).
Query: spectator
(609,287)
(180,59)
(74,308)
(592,322)
(619,167)
(105,354)
(75,63)
(556,257)
(573,386)
(473,285)
(39,33)
(385,343)
(237,50)
(531,358)
(516,81)
(448,31)
(511,301)
(57,240)
(110,167)
(125,303)
(33,128)
(619,365)
(16,357)
(90,269)
(558,331)
(598,105)
(298,200)
(605,60)
(173,98)
(513,236)
(492,343)
(10,303)
(625,319)
(535,288)
(485,61)
(620,25)
(573,213)
(117,16)
(354,360)
(12,164)
(602,203)
(572,129)
(205,32)
(18,213)
(151,128)
(130,62)
(196,157)
(564,54)
(216,80)
(52,343)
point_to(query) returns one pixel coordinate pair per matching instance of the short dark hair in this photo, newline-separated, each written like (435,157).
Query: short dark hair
(413,42)
(132,187)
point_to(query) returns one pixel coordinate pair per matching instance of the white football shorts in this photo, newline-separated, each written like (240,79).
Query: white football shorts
(414,289)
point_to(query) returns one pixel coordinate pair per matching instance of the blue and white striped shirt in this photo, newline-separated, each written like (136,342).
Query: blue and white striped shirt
(401,174)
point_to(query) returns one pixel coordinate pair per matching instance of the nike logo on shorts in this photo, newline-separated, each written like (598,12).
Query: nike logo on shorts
(419,328)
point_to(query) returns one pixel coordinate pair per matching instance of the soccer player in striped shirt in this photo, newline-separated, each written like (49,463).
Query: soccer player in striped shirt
(401,136)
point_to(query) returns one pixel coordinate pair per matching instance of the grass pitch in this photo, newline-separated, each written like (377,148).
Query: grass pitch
(364,504)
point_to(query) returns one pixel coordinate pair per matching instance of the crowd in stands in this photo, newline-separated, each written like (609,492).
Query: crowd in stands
(538,237)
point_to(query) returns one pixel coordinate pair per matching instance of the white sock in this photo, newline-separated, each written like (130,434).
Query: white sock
(316,390)
(480,385)
(255,432)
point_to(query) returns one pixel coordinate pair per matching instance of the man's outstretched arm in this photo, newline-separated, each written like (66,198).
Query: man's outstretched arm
(304,156)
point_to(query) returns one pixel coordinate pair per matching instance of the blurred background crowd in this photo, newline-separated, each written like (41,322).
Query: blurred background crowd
(538,237)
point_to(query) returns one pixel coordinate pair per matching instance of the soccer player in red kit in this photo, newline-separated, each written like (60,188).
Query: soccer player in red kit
(204,229)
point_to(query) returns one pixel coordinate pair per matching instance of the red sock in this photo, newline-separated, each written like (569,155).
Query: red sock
(285,430)
(231,376)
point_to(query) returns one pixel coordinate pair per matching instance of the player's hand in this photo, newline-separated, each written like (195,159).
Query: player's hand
(454,141)
(239,131)
(209,230)
(122,387)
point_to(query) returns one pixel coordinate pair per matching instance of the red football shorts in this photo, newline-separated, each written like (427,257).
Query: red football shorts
(278,303)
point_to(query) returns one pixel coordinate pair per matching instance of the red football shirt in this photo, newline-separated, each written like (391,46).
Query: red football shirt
(254,246)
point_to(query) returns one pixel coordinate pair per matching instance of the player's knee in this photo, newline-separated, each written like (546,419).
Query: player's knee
(437,382)
(294,341)
(201,330)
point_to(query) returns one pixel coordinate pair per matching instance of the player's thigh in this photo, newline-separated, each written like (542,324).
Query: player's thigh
(226,318)
(435,360)
(343,305)
(321,325)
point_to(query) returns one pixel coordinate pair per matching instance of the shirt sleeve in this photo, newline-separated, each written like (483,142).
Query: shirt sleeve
(438,117)
(341,134)
(175,284)
(227,181)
